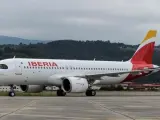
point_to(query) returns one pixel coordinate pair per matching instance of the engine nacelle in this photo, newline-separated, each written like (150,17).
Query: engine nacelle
(74,84)
(32,88)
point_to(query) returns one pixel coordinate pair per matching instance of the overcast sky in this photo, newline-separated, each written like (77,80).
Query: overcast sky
(116,20)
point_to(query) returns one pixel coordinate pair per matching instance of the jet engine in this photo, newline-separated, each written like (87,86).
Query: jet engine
(32,88)
(74,84)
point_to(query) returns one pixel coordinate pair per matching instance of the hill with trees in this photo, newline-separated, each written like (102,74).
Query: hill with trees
(16,40)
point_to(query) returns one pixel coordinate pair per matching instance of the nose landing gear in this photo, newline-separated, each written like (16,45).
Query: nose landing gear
(11,92)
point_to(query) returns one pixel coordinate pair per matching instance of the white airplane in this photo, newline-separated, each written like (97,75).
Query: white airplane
(32,75)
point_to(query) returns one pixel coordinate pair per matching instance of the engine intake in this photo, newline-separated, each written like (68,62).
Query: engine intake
(74,84)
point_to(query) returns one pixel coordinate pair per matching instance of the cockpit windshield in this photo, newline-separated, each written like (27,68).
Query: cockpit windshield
(3,66)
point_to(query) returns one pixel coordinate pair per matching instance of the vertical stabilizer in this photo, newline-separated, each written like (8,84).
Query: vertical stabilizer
(144,53)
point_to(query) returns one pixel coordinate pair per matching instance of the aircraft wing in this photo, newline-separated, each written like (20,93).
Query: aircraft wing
(98,76)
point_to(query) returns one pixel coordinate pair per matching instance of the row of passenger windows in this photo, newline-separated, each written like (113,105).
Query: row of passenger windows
(76,68)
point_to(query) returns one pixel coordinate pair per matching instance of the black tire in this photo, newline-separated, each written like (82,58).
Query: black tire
(93,93)
(90,93)
(87,93)
(60,93)
(11,94)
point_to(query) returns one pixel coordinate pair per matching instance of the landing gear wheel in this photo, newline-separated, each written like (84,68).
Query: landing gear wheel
(90,93)
(11,92)
(61,93)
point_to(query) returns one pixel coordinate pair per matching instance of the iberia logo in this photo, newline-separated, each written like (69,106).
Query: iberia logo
(39,64)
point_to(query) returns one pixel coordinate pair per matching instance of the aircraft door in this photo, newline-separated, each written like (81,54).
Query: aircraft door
(18,70)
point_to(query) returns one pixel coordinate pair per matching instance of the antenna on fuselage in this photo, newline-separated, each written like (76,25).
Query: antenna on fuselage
(94,59)
(14,57)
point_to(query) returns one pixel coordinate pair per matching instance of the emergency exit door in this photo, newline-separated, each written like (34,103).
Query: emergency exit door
(18,70)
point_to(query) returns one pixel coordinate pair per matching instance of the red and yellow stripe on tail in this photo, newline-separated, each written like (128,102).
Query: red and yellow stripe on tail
(144,53)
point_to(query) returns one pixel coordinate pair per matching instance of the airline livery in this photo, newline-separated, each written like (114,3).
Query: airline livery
(32,75)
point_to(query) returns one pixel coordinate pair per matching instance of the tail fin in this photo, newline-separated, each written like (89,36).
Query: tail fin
(144,53)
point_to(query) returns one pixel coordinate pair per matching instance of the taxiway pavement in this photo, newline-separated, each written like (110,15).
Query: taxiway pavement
(80,108)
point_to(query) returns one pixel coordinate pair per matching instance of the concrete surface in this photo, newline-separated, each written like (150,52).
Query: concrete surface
(119,93)
(80,108)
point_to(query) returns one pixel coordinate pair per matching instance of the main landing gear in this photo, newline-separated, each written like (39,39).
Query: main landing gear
(11,92)
(90,92)
(60,92)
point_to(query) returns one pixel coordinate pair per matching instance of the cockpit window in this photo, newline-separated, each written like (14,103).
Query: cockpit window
(3,66)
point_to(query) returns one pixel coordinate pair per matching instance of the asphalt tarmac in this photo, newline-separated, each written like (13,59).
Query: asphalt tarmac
(81,108)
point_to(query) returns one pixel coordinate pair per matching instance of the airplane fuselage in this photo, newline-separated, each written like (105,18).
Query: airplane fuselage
(43,71)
